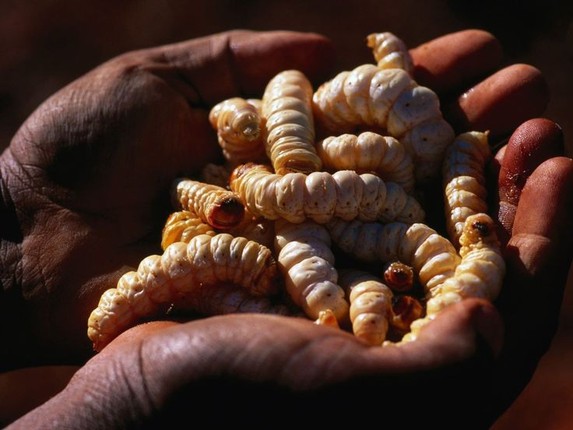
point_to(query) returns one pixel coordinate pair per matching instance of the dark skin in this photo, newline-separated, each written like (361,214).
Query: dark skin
(85,185)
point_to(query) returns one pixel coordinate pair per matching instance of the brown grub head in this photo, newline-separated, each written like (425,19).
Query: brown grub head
(399,276)
(479,228)
(226,213)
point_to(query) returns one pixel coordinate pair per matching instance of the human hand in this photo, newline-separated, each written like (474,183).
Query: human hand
(454,352)
(87,178)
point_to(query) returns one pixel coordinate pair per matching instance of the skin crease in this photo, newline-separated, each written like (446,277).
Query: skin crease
(113,205)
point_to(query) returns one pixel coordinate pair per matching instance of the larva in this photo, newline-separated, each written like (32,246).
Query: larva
(464,180)
(181,226)
(217,206)
(390,100)
(238,124)
(307,264)
(370,305)
(369,152)
(390,51)
(479,274)
(322,196)
(161,280)
(432,257)
(482,267)
(287,112)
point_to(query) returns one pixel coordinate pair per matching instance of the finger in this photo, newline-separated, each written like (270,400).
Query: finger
(242,62)
(501,102)
(538,258)
(543,218)
(453,334)
(532,143)
(457,60)
(540,250)
(313,368)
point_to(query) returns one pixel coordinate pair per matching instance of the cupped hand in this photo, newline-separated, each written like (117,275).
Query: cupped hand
(86,223)
(86,180)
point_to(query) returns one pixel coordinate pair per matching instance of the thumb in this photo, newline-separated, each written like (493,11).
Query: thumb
(241,62)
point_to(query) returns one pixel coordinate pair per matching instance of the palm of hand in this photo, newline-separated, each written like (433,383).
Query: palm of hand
(105,151)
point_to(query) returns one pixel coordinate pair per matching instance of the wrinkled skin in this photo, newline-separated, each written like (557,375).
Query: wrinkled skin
(85,193)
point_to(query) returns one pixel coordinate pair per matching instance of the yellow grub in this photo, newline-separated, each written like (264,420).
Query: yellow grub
(433,257)
(321,196)
(177,274)
(238,124)
(369,152)
(307,264)
(390,51)
(464,180)
(183,225)
(479,274)
(390,100)
(214,205)
(370,305)
(287,111)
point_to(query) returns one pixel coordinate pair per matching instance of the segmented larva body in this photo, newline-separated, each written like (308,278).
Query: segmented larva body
(370,305)
(217,206)
(433,257)
(321,196)
(179,272)
(369,152)
(390,100)
(238,124)
(390,51)
(287,111)
(480,273)
(464,180)
(183,225)
(482,267)
(306,260)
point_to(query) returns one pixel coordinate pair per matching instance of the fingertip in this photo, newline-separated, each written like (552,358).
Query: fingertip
(546,201)
(533,142)
(540,250)
(501,102)
(456,60)
(260,56)
(462,321)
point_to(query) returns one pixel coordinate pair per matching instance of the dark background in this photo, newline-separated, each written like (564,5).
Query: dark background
(45,44)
